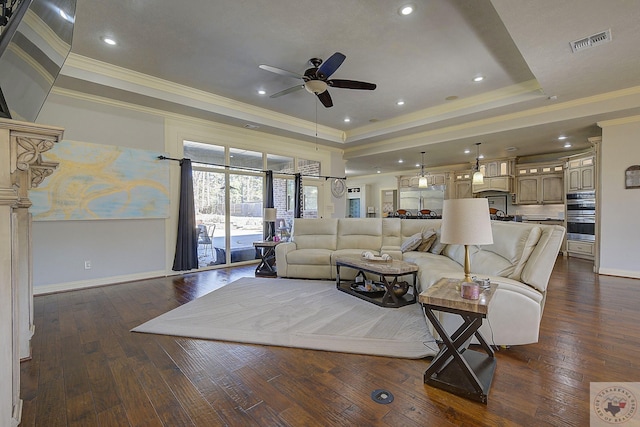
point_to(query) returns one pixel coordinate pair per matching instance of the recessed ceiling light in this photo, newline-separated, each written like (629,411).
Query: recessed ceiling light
(400,102)
(561,138)
(400,161)
(467,151)
(109,41)
(481,156)
(417,165)
(262,92)
(378,171)
(478,78)
(407,9)
(567,144)
(347,119)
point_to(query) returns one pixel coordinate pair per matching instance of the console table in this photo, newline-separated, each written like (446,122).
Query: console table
(455,368)
(382,269)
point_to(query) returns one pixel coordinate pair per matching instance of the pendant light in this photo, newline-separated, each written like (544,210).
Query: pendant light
(478,178)
(422,182)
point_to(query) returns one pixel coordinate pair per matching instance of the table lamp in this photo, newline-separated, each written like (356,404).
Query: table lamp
(466,222)
(269,217)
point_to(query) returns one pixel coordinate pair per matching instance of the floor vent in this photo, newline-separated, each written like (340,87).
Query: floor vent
(591,41)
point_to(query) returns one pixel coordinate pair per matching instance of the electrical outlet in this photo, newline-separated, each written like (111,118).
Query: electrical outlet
(87,265)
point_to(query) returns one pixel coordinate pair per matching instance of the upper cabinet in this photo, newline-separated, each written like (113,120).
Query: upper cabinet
(462,185)
(432,179)
(581,173)
(498,176)
(539,184)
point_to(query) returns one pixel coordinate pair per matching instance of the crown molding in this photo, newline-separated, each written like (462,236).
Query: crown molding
(526,91)
(87,69)
(617,122)
(607,102)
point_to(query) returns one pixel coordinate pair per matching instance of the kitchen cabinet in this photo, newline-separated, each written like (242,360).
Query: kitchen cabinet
(498,176)
(581,249)
(495,168)
(432,179)
(463,189)
(462,185)
(581,174)
(539,184)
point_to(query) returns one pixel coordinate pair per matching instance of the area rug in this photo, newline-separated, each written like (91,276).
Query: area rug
(309,314)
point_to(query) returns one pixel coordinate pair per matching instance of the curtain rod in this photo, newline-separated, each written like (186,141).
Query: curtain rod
(254,169)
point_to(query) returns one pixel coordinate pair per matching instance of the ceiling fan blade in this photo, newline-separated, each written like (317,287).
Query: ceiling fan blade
(325,98)
(280,71)
(286,91)
(351,84)
(330,66)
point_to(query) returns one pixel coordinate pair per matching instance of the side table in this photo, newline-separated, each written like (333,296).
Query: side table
(455,368)
(266,250)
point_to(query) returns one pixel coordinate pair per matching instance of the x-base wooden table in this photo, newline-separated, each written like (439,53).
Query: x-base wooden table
(455,368)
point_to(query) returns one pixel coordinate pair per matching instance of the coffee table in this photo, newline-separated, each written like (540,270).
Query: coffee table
(383,269)
(455,368)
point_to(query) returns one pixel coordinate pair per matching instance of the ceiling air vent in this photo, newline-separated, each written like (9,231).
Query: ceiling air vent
(591,41)
(251,126)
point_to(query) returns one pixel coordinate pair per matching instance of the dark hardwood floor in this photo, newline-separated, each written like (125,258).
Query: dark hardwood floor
(88,369)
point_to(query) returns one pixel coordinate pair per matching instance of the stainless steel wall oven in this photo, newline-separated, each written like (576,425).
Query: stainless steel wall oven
(581,216)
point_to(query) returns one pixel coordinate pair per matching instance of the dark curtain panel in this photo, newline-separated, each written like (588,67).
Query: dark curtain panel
(297,208)
(269,227)
(187,243)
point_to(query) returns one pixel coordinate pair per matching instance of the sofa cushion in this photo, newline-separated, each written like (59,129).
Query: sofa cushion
(359,233)
(310,257)
(411,243)
(315,233)
(391,232)
(510,241)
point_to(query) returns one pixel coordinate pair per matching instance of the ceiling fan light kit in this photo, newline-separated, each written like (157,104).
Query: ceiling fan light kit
(316,79)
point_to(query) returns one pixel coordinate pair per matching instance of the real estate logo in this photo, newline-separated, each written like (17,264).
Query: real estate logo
(614,403)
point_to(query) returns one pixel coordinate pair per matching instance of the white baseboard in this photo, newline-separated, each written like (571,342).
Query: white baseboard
(620,273)
(82,284)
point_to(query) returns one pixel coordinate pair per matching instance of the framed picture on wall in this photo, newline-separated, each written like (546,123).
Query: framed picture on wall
(632,177)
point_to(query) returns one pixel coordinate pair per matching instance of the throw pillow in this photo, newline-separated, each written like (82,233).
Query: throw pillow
(428,237)
(437,247)
(411,243)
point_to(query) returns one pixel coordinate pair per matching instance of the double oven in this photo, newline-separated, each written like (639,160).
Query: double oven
(581,216)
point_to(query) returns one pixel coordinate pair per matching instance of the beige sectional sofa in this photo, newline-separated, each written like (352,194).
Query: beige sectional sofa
(520,261)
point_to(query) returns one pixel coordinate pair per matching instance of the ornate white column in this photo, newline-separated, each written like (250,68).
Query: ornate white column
(21,168)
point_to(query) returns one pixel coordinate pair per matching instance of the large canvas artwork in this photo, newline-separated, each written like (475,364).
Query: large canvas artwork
(97,181)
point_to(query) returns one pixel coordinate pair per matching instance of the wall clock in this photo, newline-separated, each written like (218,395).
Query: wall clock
(338,187)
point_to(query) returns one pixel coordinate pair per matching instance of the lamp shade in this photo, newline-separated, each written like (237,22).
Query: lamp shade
(423,182)
(270,214)
(478,178)
(466,222)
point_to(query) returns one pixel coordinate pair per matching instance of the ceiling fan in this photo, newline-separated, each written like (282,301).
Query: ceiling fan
(316,79)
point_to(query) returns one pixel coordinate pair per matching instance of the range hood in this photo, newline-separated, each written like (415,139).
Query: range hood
(501,184)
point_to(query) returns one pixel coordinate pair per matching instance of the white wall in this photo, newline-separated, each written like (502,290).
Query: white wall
(60,248)
(619,207)
(122,250)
